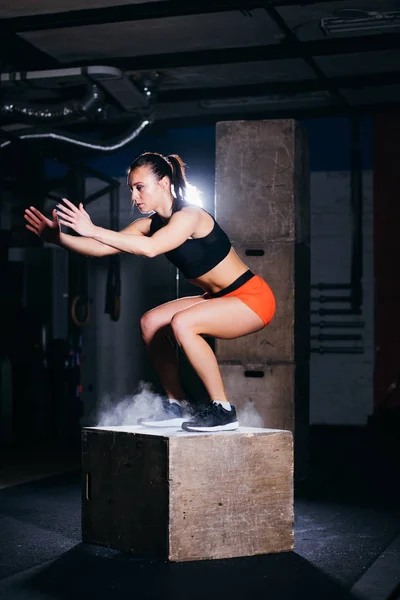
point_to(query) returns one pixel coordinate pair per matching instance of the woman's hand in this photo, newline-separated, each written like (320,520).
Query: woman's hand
(76,218)
(47,229)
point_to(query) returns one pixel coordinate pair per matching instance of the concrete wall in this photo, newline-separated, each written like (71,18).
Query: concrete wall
(341,385)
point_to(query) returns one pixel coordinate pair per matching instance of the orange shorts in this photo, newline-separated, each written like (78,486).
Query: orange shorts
(253,291)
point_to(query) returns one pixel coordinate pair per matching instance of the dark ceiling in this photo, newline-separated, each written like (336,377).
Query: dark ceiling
(194,62)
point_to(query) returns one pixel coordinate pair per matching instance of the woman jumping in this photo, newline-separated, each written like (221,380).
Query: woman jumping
(234,302)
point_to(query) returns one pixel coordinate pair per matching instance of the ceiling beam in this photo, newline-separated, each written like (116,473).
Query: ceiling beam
(19,54)
(300,3)
(366,110)
(355,82)
(224,56)
(136,12)
(124,12)
(291,37)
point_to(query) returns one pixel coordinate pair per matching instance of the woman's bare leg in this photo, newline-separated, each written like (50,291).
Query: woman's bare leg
(156,333)
(164,359)
(224,318)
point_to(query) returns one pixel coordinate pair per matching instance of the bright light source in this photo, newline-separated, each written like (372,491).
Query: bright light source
(193,195)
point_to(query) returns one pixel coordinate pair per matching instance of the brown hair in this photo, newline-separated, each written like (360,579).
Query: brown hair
(170,166)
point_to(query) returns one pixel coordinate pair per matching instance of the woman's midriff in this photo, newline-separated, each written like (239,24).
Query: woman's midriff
(222,275)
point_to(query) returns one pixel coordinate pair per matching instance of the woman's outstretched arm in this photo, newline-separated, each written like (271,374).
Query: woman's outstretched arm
(49,231)
(93,247)
(180,227)
(84,245)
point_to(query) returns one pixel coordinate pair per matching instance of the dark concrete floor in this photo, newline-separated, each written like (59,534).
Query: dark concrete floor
(347,512)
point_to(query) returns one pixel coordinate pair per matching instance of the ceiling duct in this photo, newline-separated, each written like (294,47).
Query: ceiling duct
(109,146)
(90,105)
(373,21)
(113,81)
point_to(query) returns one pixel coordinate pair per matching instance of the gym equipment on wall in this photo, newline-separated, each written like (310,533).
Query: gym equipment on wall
(352,304)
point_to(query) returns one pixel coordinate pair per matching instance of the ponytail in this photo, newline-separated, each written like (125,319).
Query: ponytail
(178,181)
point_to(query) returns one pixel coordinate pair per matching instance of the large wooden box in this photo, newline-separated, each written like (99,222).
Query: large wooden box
(188,496)
(262,181)
(275,263)
(263,392)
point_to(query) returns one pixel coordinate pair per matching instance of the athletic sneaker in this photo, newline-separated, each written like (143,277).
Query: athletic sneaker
(214,418)
(170,414)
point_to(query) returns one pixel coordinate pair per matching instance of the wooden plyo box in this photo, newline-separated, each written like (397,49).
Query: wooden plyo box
(186,496)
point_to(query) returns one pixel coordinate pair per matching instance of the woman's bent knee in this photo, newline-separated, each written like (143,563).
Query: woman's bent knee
(147,326)
(150,326)
(179,324)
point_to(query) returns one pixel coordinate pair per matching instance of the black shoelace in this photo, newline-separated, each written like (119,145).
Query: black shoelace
(212,409)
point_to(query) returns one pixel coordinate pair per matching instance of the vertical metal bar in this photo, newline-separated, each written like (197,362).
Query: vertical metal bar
(357,215)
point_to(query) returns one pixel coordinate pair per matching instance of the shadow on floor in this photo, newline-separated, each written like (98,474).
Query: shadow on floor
(90,571)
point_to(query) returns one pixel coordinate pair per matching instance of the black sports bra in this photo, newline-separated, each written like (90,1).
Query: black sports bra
(196,256)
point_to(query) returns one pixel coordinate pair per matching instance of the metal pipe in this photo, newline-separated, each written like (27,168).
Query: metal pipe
(337,350)
(330,286)
(335,311)
(332,337)
(338,324)
(10,136)
(110,146)
(113,286)
(323,299)
(90,103)
(357,215)
(114,209)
